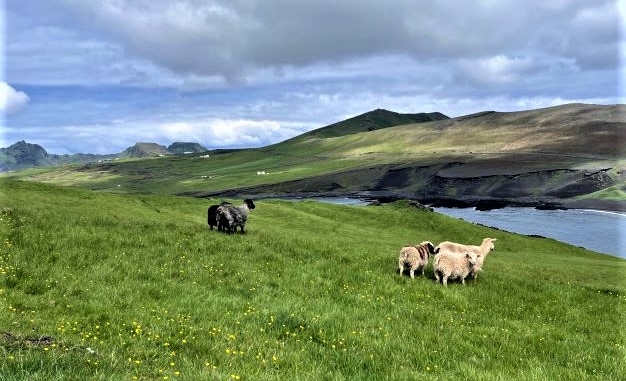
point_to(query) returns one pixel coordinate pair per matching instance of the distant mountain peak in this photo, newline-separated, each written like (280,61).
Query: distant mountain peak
(144,149)
(23,155)
(374,120)
(186,147)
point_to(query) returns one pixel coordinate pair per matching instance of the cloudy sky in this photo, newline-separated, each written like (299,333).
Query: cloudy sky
(98,76)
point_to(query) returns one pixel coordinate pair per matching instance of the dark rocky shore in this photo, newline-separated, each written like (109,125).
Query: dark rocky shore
(480,203)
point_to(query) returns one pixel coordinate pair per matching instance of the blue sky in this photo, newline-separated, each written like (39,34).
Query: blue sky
(84,76)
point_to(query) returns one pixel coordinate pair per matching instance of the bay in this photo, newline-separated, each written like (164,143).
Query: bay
(600,231)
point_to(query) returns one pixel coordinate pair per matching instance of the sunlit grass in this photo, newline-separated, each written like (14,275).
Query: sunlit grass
(614,193)
(136,287)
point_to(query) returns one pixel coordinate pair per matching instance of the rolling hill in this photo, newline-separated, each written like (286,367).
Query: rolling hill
(536,157)
(371,121)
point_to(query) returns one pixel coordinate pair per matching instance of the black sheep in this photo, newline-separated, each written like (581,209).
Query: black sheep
(212,215)
(230,216)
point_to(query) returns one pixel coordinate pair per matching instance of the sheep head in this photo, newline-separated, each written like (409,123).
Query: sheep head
(471,259)
(488,245)
(250,203)
(429,246)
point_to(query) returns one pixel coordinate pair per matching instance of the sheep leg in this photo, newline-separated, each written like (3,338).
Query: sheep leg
(412,272)
(400,267)
(445,280)
(437,276)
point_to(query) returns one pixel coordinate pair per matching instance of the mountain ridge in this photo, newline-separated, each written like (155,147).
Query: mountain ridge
(371,121)
(537,156)
(24,155)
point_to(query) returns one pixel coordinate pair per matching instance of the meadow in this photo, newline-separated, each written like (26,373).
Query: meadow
(101,286)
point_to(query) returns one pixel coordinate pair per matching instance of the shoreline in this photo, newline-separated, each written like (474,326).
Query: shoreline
(480,203)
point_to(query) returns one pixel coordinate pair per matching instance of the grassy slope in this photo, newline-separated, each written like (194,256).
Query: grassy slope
(136,286)
(554,132)
(373,120)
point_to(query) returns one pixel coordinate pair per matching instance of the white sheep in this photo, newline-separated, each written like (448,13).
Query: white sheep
(416,257)
(449,265)
(481,252)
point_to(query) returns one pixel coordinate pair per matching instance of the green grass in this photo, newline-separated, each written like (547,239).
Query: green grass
(613,193)
(136,287)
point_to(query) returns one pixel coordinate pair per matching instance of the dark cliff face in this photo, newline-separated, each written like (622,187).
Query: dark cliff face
(432,184)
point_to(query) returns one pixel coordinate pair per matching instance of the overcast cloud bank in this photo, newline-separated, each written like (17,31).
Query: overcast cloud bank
(281,67)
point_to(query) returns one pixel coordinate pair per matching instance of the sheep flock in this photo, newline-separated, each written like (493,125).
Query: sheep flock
(451,260)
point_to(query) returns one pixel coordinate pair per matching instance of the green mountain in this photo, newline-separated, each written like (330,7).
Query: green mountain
(186,148)
(23,155)
(371,121)
(549,156)
(143,150)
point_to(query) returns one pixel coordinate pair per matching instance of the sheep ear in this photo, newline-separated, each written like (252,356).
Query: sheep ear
(494,239)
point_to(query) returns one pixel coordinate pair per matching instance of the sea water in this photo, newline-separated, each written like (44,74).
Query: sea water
(600,231)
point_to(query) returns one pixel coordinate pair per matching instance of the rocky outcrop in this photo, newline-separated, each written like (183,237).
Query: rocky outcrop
(180,148)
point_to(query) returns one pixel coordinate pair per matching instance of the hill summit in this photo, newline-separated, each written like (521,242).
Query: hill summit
(145,150)
(186,147)
(373,120)
(23,155)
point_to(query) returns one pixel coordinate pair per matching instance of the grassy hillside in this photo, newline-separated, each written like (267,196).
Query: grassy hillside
(546,152)
(371,121)
(101,286)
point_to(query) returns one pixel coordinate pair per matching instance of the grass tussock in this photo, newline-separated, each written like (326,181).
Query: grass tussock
(115,287)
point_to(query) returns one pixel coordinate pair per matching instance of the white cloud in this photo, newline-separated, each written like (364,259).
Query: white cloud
(499,69)
(11,100)
(120,134)
(218,132)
